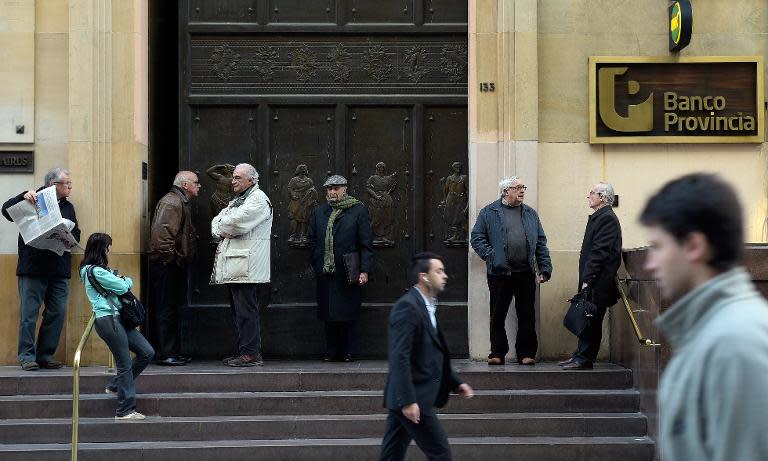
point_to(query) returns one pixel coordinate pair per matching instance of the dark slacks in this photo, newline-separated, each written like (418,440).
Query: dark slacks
(169,286)
(589,341)
(34,292)
(522,287)
(247,301)
(121,343)
(340,338)
(428,435)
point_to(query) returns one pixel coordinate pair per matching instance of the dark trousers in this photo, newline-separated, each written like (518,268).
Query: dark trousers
(121,343)
(340,338)
(522,287)
(168,285)
(34,292)
(589,341)
(247,300)
(428,434)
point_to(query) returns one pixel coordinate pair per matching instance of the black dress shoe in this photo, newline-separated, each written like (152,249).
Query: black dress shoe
(348,358)
(184,358)
(578,366)
(171,361)
(328,358)
(566,362)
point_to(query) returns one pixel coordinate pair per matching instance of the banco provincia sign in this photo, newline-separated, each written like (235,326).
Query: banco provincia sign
(637,99)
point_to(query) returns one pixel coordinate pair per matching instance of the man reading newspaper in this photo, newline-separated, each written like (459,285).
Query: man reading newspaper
(48,230)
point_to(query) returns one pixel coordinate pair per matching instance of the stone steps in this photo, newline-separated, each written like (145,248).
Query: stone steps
(314,411)
(156,429)
(463,448)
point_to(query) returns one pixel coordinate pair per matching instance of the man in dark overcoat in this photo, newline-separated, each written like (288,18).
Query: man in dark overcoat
(599,262)
(420,374)
(339,227)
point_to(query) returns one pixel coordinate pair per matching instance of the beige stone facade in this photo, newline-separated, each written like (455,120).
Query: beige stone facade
(87,79)
(536,126)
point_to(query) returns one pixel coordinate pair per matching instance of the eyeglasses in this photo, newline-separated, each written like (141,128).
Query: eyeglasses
(518,188)
(65,183)
(237,178)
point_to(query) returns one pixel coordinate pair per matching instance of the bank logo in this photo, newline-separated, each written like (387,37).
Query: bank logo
(665,99)
(639,116)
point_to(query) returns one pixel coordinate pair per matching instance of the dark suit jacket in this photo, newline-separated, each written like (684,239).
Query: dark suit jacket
(419,362)
(600,256)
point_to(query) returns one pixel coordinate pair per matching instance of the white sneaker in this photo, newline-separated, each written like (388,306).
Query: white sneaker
(134,416)
(109,391)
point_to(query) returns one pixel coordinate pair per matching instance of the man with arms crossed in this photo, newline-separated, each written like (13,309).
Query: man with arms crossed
(420,374)
(712,402)
(242,260)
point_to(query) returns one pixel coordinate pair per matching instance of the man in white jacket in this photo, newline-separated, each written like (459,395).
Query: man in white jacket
(242,261)
(712,403)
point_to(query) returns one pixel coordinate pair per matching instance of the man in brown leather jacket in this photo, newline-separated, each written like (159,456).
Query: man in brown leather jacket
(171,248)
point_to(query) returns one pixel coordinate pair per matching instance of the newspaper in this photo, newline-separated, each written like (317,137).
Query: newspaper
(41,225)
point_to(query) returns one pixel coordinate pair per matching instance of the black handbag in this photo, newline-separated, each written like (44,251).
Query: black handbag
(580,313)
(132,312)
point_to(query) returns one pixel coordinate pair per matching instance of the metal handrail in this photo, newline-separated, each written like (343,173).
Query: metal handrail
(640,338)
(76,385)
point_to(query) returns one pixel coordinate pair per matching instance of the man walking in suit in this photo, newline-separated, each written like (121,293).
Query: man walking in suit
(420,374)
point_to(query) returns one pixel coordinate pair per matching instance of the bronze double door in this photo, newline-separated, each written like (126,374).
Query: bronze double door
(302,89)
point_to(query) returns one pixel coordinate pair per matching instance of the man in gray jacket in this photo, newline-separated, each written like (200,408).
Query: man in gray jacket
(509,237)
(712,403)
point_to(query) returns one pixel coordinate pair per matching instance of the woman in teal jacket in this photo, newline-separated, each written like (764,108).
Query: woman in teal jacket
(119,340)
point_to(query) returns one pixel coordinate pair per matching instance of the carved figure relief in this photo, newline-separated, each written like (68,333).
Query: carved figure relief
(377,63)
(454,62)
(302,198)
(224,61)
(381,206)
(339,66)
(416,63)
(455,206)
(222,176)
(304,63)
(265,58)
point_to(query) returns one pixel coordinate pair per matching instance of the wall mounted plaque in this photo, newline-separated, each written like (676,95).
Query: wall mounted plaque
(639,99)
(17,161)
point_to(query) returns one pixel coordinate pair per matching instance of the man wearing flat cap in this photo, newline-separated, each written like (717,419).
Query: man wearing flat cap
(338,228)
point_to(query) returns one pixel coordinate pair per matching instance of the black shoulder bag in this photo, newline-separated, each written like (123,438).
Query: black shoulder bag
(132,312)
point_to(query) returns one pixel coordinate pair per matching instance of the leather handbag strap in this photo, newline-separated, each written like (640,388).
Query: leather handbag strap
(100,289)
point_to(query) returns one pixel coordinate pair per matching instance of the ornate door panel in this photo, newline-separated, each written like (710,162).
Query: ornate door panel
(219,135)
(379,162)
(370,89)
(446,193)
(302,149)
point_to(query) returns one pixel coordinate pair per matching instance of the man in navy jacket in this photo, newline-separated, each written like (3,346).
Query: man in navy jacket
(509,237)
(43,279)
(420,374)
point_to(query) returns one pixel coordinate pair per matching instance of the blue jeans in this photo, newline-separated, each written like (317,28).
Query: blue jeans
(33,292)
(121,343)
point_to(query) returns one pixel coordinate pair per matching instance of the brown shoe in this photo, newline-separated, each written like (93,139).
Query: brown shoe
(246,361)
(30,366)
(566,362)
(496,361)
(52,365)
(528,361)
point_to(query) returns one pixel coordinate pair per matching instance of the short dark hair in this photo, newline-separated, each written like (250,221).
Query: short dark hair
(422,262)
(703,203)
(96,250)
